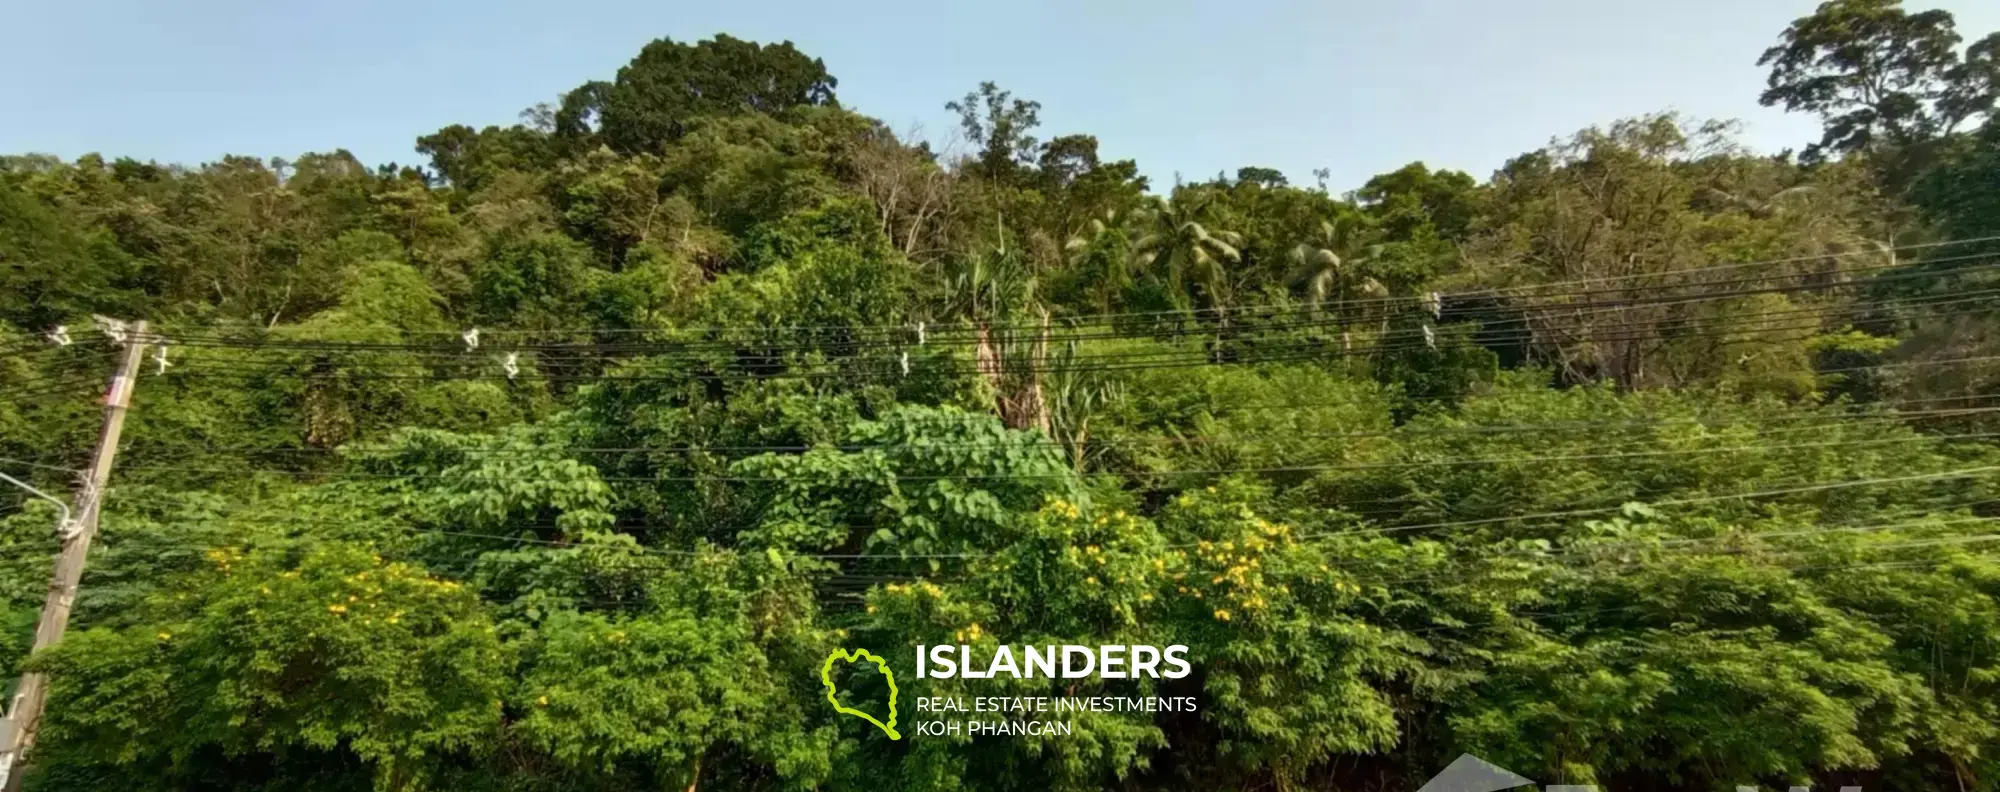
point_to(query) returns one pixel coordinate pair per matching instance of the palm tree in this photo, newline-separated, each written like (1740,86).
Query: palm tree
(988,286)
(1107,222)
(990,289)
(1179,241)
(1110,268)
(1325,263)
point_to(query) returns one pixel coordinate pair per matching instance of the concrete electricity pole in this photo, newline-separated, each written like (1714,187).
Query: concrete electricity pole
(17,734)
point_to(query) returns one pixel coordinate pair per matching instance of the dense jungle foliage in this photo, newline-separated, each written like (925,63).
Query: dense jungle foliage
(560,461)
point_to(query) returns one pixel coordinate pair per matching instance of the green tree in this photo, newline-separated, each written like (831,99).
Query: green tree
(1180,247)
(341,651)
(1414,200)
(1876,75)
(669,84)
(1326,264)
(1642,206)
(1001,126)
(467,159)
(55,269)
(1960,195)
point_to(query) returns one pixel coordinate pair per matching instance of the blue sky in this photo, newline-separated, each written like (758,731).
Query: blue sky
(1183,87)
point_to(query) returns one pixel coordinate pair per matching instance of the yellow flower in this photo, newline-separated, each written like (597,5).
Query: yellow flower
(1092,580)
(542,702)
(166,636)
(336,608)
(1222,614)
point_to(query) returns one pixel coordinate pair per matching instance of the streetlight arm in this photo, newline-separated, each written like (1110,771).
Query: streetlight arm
(7,724)
(66,521)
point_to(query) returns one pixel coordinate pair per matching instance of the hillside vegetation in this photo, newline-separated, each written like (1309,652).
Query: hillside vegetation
(562,460)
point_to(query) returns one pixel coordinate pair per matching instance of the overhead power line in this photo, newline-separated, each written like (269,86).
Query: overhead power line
(902,335)
(886,369)
(1246,350)
(1955,474)
(1411,299)
(1243,353)
(1250,335)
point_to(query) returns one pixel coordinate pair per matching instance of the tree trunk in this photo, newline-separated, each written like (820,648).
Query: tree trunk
(1018,398)
(1034,408)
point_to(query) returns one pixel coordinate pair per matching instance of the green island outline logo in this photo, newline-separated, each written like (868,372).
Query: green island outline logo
(826,678)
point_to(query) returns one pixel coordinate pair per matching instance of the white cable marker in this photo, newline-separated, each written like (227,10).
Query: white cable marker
(471,338)
(1430,337)
(512,364)
(60,336)
(905,360)
(160,358)
(116,329)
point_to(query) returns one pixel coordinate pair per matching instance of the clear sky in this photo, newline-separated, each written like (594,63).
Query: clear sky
(1183,87)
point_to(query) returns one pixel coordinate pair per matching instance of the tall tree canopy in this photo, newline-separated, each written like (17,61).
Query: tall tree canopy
(1878,75)
(669,84)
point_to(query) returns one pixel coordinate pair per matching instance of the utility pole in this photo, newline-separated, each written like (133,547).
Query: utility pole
(26,712)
